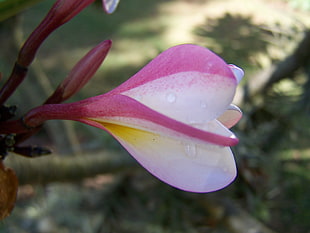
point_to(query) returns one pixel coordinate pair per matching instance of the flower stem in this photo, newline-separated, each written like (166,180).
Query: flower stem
(17,76)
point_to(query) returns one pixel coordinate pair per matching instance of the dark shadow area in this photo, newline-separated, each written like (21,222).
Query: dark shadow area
(275,123)
(234,37)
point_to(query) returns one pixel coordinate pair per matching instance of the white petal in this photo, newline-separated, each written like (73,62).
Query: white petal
(189,97)
(182,164)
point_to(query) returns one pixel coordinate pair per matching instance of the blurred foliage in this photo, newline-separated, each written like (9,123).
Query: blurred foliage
(123,204)
(274,158)
(242,39)
(246,43)
(9,8)
(300,4)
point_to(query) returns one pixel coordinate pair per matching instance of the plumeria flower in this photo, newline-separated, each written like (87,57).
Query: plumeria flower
(173,117)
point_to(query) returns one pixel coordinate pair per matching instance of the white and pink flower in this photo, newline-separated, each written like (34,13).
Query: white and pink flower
(173,117)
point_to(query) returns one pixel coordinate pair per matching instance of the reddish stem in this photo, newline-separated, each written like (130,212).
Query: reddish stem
(17,76)
(61,12)
(16,126)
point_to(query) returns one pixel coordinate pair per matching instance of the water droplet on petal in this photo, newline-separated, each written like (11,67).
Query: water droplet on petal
(171,98)
(191,150)
(203,104)
(138,98)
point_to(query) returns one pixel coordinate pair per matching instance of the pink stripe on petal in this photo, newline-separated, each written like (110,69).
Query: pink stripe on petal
(115,109)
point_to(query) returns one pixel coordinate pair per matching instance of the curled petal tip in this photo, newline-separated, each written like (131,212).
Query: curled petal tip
(110,5)
(237,71)
(231,116)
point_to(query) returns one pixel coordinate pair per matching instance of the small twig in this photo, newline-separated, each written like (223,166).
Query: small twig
(17,76)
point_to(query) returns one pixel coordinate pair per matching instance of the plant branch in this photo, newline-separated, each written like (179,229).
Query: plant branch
(17,76)
(55,168)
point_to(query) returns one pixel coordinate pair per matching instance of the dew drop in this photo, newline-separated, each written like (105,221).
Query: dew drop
(138,98)
(197,123)
(203,104)
(171,98)
(191,150)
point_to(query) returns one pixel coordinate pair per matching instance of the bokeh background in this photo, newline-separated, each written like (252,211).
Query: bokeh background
(91,185)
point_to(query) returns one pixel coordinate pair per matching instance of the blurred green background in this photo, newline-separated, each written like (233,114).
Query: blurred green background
(271,192)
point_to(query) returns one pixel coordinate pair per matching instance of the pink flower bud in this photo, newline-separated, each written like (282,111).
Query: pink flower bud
(61,12)
(82,72)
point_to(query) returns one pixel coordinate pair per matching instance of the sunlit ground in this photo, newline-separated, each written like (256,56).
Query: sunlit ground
(251,34)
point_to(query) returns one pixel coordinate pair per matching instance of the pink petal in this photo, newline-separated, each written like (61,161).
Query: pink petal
(123,110)
(180,58)
(187,82)
(189,97)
